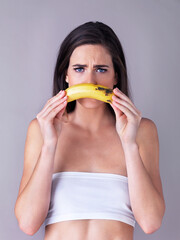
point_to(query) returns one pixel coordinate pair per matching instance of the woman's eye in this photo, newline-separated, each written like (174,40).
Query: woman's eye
(102,70)
(78,69)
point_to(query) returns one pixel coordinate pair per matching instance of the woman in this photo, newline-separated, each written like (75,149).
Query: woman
(93,176)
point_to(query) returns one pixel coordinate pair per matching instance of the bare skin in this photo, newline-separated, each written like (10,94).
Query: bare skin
(95,146)
(95,140)
(72,137)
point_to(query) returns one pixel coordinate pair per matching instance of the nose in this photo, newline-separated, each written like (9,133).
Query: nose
(90,78)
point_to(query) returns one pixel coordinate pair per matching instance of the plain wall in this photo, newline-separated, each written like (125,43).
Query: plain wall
(30,35)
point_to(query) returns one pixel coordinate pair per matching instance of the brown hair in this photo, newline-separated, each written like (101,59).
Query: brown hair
(90,33)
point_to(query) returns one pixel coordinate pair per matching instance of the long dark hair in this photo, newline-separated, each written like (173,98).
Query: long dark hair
(90,33)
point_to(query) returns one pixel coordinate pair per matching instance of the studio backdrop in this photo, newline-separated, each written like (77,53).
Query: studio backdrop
(30,35)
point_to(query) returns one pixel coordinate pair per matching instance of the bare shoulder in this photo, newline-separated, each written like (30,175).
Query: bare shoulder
(34,126)
(34,137)
(34,140)
(147,131)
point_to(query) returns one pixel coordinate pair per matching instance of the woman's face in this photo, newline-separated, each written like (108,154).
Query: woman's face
(91,64)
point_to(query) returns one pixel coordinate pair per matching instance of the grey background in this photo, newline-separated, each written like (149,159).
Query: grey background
(30,36)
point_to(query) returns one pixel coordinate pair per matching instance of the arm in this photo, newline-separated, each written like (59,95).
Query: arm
(145,188)
(141,149)
(34,193)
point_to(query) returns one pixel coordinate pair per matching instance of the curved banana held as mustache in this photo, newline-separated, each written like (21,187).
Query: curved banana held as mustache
(89,90)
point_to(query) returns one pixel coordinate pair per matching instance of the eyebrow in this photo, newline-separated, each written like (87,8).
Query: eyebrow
(84,65)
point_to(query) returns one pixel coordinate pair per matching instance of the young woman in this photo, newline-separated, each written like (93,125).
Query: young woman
(95,175)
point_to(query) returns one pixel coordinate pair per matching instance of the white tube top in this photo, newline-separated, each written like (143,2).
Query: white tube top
(86,195)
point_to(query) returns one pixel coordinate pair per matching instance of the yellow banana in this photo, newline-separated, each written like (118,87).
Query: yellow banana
(89,90)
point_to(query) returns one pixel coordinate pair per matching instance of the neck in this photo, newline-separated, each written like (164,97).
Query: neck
(92,120)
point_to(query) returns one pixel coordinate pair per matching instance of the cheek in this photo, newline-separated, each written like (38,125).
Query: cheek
(75,79)
(106,80)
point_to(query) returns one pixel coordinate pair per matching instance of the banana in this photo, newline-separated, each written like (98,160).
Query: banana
(89,90)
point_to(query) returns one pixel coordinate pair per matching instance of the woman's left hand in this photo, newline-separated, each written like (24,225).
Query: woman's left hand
(128,117)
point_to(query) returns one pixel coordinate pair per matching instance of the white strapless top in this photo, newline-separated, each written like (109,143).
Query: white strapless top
(86,195)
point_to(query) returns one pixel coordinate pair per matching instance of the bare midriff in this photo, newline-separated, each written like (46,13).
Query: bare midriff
(101,153)
(89,229)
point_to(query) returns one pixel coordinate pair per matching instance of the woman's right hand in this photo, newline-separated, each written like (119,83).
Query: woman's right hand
(46,117)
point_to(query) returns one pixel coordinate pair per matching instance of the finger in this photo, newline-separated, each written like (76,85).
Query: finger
(115,109)
(124,103)
(57,97)
(125,110)
(123,96)
(56,110)
(53,105)
(54,97)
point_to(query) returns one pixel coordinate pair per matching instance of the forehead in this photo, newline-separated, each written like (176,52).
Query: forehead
(94,52)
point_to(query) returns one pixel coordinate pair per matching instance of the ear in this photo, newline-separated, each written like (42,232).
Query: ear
(67,79)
